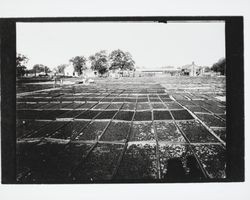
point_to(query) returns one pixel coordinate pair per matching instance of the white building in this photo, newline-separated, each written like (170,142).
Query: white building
(69,70)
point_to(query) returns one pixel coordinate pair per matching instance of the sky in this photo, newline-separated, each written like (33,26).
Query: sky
(152,45)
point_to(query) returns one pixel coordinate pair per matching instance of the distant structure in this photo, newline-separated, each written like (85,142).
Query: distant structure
(171,71)
(166,70)
(195,70)
(117,73)
(191,70)
(69,70)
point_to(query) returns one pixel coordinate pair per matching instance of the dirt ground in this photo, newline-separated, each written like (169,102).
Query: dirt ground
(169,129)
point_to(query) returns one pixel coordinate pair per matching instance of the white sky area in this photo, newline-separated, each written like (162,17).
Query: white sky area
(152,45)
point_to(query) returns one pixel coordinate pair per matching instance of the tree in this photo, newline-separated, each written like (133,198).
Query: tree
(79,64)
(21,61)
(47,70)
(207,69)
(61,68)
(99,62)
(121,60)
(129,62)
(220,66)
(38,68)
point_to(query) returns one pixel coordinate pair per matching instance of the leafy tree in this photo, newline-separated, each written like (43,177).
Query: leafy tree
(99,62)
(61,68)
(21,61)
(220,66)
(79,64)
(206,69)
(47,70)
(121,60)
(129,62)
(38,68)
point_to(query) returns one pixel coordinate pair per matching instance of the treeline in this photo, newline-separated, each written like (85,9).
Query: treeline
(101,62)
(220,66)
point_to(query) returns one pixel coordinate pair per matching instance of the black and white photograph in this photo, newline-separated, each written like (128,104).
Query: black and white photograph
(113,101)
(122,100)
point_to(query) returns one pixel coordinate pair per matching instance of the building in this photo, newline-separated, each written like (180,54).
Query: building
(164,71)
(152,72)
(69,70)
(117,73)
(171,71)
(191,70)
